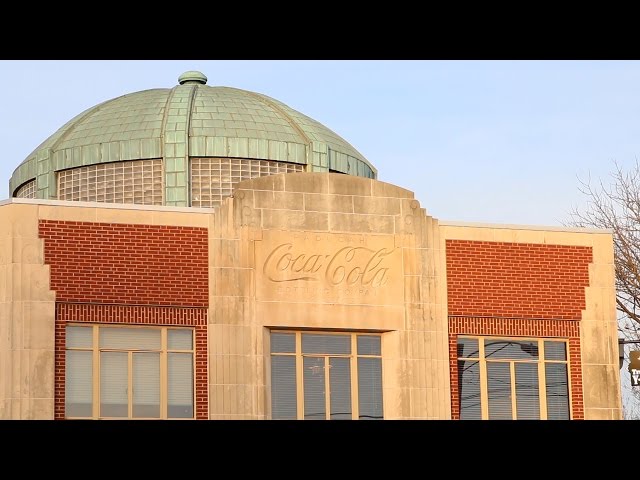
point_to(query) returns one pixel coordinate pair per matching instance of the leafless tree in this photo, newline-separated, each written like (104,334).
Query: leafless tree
(616,206)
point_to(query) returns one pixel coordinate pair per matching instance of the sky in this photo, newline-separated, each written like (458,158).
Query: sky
(476,141)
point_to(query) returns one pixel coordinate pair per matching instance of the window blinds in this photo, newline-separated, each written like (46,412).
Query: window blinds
(340,387)
(114,384)
(370,388)
(499,390)
(469,389)
(557,391)
(79,383)
(146,385)
(284,398)
(180,385)
(314,388)
(527,391)
(506,375)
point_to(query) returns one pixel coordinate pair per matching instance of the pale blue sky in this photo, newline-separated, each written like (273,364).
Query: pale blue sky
(479,141)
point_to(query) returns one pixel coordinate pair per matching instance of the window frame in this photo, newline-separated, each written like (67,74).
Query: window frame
(164,372)
(541,362)
(353,365)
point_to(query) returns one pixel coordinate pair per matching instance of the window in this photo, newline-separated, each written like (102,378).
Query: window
(213,179)
(326,376)
(129,372)
(509,379)
(136,181)
(27,190)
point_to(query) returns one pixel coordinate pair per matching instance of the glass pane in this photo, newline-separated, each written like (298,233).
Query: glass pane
(283,343)
(468,347)
(79,384)
(499,390)
(79,337)
(370,388)
(469,389)
(137,181)
(114,384)
(340,385)
(130,338)
(557,391)
(555,350)
(284,398)
(318,343)
(369,345)
(179,339)
(512,349)
(314,391)
(212,179)
(527,391)
(180,385)
(146,385)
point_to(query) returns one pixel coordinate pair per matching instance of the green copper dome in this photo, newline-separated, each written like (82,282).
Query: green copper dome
(187,121)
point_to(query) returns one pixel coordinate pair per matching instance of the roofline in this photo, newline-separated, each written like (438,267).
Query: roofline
(115,206)
(509,226)
(165,208)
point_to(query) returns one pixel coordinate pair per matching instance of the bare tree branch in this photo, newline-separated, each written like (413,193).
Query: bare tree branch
(616,206)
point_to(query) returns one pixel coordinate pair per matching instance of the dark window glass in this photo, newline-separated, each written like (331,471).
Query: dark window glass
(326,344)
(555,350)
(527,391)
(328,367)
(469,389)
(557,391)
(340,384)
(283,343)
(499,390)
(468,347)
(370,388)
(368,345)
(284,398)
(512,379)
(314,388)
(510,349)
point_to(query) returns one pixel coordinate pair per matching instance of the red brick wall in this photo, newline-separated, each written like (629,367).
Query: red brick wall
(497,279)
(517,289)
(133,315)
(129,274)
(513,327)
(127,264)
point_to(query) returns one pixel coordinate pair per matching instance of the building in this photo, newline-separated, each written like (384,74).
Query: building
(210,253)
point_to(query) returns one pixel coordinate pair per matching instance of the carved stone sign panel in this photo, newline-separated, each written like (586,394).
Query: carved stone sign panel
(328,267)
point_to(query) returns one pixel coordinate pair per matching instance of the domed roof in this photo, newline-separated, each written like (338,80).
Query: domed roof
(219,121)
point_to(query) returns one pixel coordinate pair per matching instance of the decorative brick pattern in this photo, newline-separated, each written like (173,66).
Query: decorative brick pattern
(133,315)
(514,327)
(575,382)
(522,280)
(138,314)
(127,264)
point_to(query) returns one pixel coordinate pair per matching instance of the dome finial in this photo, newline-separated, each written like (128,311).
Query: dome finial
(192,76)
